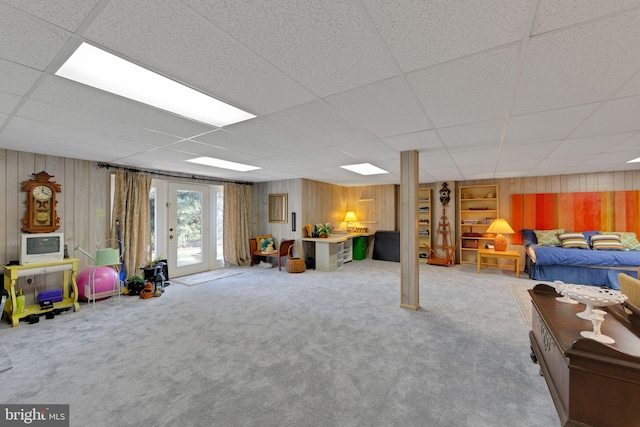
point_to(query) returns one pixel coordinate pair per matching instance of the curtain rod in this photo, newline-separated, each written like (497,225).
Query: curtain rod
(150,172)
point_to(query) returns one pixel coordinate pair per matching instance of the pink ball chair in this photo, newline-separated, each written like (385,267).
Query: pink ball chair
(106,280)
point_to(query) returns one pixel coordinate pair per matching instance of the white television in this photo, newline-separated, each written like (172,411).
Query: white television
(41,247)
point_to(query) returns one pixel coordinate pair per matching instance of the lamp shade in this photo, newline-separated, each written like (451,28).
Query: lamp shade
(350,217)
(500,226)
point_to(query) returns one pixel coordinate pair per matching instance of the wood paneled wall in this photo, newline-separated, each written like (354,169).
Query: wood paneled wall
(318,202)
(260,208)
(85,191)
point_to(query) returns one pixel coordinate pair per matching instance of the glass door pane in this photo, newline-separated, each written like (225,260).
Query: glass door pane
(188,228)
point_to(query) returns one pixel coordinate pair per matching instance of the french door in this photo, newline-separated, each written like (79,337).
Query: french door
(194,228)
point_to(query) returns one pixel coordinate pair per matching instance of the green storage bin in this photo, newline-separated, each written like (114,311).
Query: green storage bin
(359,248)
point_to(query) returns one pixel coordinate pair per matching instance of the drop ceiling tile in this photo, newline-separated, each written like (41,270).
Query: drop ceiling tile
(295,160)
(351,180)
(162,154)
(539,150)
(55,114)
(320,121)
(3,119)
(420,141)
(235,143)
(546,125)
(201,55)
(51,144)
(475,157)
(478,171)
(275,165)
(68,14)
(446,174)
(616,116)
(329,38)
(514,168)
(553,14)
(392,166)
(157,159)
(195,149)
(473,135)
(428,161)
(16,79)
(565,162)
(631,88)
(8,102)
(370,151)
(78,97)
(582,64)
(588,145)
(421,34)
(630,142)
(273,133)
(470,89)
(425,178)
(74,136)
(38,42)
(385,108)
(333,156)
(611,161)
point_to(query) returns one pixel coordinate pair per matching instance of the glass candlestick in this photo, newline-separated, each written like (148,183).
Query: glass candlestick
(597,317)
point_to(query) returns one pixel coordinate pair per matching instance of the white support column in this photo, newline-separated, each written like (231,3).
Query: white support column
(409,272)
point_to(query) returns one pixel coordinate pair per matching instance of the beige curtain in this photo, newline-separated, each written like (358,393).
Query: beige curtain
(237,224)
(131,209)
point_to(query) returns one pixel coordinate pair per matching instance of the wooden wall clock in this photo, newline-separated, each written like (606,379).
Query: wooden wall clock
(41,214)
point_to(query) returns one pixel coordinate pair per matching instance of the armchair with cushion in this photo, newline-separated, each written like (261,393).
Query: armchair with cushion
(255,246)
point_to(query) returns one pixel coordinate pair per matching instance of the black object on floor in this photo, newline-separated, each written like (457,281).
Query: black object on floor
(386,246)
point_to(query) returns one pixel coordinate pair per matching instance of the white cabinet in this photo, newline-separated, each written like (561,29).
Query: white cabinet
(347,250)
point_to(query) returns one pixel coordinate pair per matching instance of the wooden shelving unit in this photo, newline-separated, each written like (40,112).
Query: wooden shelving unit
(424,222)
(478,208)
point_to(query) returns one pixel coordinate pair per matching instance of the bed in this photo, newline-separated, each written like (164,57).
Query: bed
(579,266)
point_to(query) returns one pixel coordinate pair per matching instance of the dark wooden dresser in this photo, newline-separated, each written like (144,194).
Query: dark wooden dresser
(592,384)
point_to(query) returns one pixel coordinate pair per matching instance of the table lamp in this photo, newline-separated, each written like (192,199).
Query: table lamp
(350,218)
(500,226)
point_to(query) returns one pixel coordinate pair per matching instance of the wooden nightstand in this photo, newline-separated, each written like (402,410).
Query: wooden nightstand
(490,253)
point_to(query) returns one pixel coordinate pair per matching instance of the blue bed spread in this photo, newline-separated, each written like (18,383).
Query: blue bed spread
(579,266)
(554,255)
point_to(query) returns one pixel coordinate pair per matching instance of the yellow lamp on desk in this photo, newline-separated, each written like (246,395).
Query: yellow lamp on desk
(500,226)
(350,218)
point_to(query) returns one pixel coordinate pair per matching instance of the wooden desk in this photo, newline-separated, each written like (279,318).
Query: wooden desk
(591,384)
(68,267)
(326,249)
(490,253)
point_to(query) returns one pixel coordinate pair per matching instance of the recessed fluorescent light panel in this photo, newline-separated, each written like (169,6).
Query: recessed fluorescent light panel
(210,161)
(634,160)
(364,169)
(95,67)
